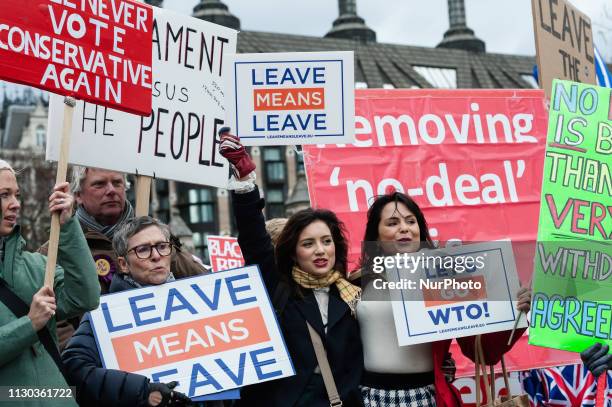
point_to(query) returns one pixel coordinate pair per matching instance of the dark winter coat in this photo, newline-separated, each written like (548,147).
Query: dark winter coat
(342,340)
(97,386)
(24,362)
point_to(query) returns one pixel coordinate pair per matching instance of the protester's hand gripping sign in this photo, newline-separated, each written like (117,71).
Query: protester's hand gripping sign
(177,138)
(572,301)
(291,98)
(224,253)
(210,333)
(449,293)
(99,51)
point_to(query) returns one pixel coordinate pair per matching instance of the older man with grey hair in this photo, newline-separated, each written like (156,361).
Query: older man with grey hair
(100,195)
(144,253)
(101,208)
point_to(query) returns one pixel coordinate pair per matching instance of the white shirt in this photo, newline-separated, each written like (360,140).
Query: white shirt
(322,297)
(381,351)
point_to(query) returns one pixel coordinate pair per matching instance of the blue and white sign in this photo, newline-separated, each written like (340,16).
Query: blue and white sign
(209,333)
(291,98)
(453,292)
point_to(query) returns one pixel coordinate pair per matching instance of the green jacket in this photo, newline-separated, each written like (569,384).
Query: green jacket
(23,359)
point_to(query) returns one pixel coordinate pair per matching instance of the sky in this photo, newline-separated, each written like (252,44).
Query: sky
(505,25)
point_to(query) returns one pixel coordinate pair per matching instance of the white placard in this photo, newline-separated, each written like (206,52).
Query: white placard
(210,333)
(291,98)
(178,141)
(433,303)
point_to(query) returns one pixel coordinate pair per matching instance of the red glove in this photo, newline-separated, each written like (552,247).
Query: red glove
(235,153)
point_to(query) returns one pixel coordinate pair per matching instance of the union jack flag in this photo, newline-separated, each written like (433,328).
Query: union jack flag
(564,386)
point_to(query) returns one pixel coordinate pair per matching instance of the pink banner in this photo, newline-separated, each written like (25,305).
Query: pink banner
(472,159)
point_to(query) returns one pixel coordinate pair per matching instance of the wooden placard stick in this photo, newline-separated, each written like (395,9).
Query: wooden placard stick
(518,318)
(62,169)
(143,194)
(483,366)
(143,190)
(506,380)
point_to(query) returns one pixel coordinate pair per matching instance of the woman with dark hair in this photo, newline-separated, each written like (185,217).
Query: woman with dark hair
(305,277)
(422,239)
(407,375)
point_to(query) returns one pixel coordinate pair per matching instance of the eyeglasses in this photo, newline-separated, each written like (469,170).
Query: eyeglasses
(144,251)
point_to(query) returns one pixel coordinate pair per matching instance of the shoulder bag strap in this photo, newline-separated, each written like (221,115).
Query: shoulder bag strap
(21,309)
(328,377)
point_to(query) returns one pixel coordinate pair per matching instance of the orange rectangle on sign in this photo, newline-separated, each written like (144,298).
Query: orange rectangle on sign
(189,340)
(289,99)
(444,296)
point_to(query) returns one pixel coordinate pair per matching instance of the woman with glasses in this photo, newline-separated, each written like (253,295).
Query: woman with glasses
(144,254)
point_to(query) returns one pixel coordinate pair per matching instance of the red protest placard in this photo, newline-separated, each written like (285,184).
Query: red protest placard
(96,50)
(471,159)
(224,253)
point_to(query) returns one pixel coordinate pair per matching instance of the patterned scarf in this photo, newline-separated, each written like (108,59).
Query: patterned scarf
(128,279)
(91,223)
(351,294)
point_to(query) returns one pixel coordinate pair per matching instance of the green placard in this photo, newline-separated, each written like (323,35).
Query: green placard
(572,290)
